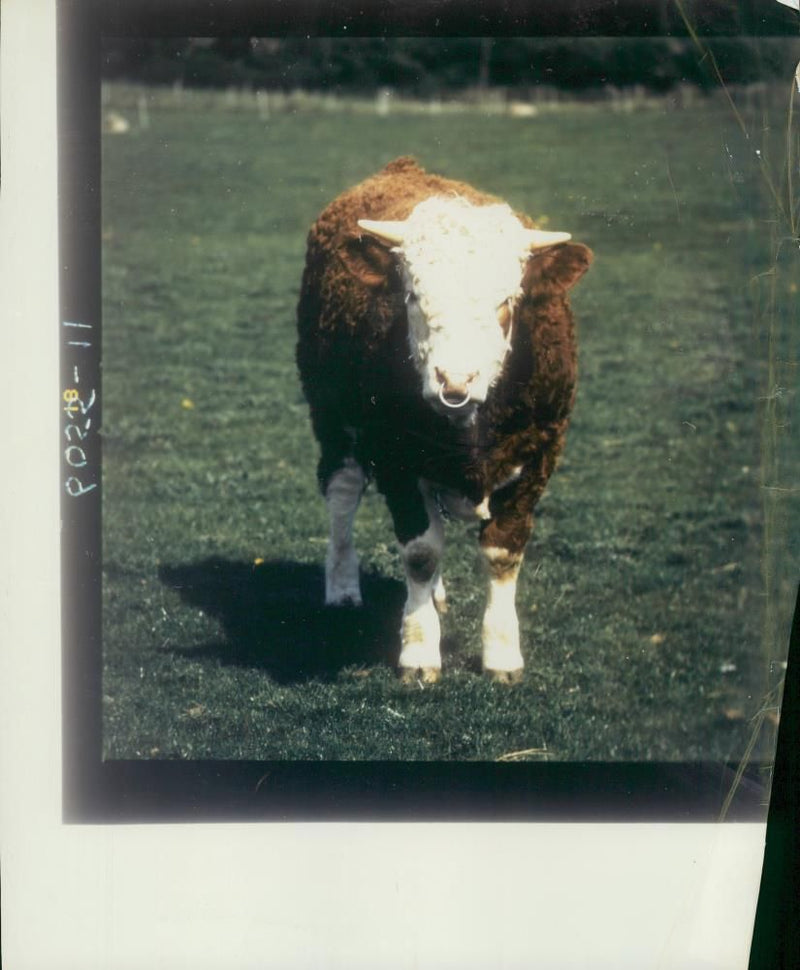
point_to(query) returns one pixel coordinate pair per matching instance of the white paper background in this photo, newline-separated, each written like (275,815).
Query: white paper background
(275,895)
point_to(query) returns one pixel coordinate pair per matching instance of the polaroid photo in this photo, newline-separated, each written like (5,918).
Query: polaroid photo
(409,564)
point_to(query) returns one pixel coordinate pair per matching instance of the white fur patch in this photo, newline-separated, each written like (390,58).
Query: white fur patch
(500,632)
(459,507)
(461,264)
(439,595)
(512,477)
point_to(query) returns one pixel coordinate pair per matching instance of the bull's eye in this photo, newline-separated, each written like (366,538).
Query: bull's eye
(504,318)
(411,298)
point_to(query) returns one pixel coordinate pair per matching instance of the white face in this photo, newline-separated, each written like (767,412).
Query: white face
(462,268)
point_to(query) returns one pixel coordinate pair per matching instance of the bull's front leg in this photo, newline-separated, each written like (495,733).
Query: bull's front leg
(503,540)
(502,657)
(419,529)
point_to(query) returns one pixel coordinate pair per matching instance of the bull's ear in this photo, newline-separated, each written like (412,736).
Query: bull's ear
(368,259)
(558,267)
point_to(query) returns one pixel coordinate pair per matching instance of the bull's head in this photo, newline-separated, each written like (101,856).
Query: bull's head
(462,268)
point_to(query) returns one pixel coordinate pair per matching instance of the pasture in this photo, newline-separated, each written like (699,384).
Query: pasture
(653,614)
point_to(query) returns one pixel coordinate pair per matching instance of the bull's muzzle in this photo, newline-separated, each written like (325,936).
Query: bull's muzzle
(454,391)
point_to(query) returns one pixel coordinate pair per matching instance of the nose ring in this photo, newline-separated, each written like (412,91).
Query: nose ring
(450,404)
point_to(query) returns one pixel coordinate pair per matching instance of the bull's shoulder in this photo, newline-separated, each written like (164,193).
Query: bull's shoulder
(547,352)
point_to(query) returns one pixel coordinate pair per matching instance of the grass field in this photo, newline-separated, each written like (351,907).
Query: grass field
(653,616)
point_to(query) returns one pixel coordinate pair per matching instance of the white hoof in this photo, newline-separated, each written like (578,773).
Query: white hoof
(504,676)
(341,580)
(423,675)
(344,599)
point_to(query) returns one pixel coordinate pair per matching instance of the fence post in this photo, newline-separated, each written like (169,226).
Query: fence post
(383,102)
(143,111)
(262,103)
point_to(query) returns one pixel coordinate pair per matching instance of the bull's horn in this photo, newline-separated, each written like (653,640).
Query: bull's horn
(390,231)
(538,239)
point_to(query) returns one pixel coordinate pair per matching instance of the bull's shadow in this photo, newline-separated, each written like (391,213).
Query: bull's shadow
(274,618)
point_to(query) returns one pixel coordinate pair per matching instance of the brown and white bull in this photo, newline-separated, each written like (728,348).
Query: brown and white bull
(437,353)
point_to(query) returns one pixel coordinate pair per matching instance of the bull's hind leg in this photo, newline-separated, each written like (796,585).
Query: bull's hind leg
(419,529)
(342,494)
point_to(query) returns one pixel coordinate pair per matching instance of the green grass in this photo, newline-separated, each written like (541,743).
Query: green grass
(642,601)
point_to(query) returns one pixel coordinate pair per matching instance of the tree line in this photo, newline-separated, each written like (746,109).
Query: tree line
(432,66)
